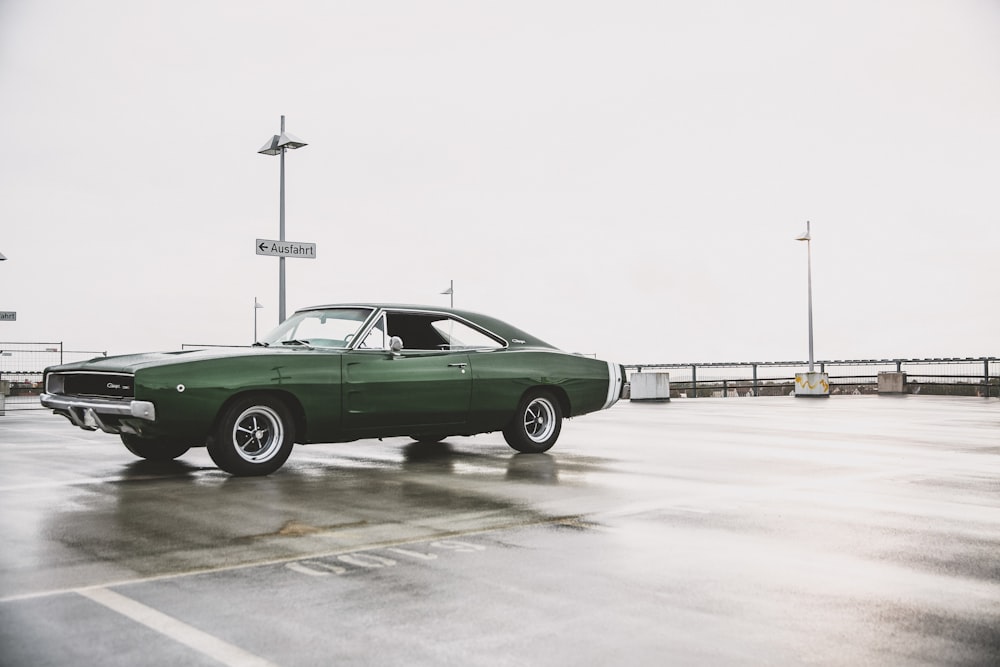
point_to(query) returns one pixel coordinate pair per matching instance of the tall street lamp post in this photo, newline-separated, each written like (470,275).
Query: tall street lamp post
(451,292)
(811,383)
(807,237)
(277,145)
(256,306)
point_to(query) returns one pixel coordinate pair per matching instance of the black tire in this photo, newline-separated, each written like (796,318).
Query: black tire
(536,424)
(254,436)
(154,449)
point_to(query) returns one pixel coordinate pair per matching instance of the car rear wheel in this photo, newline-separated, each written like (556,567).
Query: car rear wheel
(536,424)
(254,437)
(154,449)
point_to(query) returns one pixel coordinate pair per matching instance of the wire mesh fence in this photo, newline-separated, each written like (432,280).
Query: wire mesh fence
(21,367)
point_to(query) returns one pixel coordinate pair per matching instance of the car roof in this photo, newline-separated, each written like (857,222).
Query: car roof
(506,331)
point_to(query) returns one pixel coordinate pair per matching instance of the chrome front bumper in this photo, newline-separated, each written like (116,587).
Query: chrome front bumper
(87,412)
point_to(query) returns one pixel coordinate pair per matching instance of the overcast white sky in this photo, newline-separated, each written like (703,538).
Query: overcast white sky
(622,178)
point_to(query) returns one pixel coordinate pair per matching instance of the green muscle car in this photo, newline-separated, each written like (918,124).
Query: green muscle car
(335,374)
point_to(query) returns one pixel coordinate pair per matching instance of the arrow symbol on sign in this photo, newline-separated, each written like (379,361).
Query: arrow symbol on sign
(262,247)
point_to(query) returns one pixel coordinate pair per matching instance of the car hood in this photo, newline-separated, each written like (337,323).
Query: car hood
(130,363)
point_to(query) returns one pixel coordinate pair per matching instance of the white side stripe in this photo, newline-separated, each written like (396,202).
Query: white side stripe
(614,384)
(192,637)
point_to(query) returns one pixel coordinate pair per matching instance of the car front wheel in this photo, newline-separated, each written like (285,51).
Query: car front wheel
(154,449)
(536,424)
(254,437)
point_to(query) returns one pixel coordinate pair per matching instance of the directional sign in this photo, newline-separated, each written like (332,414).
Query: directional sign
(274,248)
(8,316)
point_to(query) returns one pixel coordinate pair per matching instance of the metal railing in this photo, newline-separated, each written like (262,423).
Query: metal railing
(979,376)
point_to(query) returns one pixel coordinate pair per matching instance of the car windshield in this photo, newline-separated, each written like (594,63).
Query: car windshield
(333,327)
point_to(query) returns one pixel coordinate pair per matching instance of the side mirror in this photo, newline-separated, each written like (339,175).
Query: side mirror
(396,346)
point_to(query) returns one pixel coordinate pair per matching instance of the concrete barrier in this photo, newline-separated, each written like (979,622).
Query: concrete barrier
(812,384)
(891,383)
(650,386)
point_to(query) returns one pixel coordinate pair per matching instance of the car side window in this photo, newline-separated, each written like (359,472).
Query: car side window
(437,331)
(460,336)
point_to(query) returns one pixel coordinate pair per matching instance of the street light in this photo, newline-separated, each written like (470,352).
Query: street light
(808,239)
(277,145)
(256,306)
(451,292)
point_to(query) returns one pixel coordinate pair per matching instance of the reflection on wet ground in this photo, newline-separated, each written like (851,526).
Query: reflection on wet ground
(145,518)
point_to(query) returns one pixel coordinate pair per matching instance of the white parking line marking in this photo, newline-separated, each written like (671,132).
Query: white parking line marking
(190,636)
(452,544)
(413,554)
(367,560)
(310,567)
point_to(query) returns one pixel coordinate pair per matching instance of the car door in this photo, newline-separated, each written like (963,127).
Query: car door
(384,391)
(388,391)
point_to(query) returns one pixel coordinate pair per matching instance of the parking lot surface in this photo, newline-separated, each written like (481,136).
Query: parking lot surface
(840,531)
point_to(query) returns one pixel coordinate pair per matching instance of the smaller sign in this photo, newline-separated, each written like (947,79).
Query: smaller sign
(273,248)
(8,316)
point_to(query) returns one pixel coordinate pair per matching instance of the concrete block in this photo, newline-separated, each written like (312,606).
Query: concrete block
(812,384)
(892,383)
(653,386)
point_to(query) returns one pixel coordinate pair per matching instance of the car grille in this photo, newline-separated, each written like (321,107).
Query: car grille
(112,385)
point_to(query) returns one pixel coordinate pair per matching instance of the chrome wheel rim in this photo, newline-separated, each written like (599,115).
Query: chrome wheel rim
(258,434)
(539,420)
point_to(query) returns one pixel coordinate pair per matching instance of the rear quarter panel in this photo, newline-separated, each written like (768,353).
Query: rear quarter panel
(500,378)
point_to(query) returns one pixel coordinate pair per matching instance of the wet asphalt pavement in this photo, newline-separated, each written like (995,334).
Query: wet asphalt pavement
(841,531)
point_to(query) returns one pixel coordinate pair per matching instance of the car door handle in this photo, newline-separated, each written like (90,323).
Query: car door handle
(457,365)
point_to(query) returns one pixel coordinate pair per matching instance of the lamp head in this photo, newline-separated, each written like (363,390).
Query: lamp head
(287,140)
(271,147)
(806,236)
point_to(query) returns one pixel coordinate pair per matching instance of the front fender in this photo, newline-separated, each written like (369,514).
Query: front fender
(189,396)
